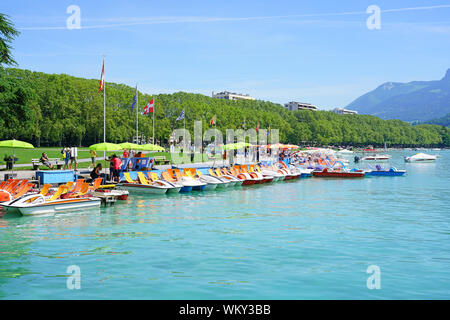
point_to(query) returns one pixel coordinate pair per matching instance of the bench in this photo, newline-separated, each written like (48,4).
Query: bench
(161,160)
(54,161)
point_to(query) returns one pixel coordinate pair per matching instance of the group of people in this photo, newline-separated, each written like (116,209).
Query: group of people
(69,154)
(115,164)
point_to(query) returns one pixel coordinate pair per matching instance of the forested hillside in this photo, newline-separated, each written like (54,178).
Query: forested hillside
(54,110)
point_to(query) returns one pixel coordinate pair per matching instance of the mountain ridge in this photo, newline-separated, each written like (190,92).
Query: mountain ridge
(410,101)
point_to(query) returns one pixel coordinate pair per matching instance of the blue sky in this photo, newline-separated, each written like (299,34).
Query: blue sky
(313,51)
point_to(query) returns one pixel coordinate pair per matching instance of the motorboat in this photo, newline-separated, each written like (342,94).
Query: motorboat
(421,157)
(377,158)
(338,173)
(345,151)
(391,172)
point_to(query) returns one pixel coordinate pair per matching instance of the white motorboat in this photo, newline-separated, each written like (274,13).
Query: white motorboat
(421,157)
(345,151)
(33,204)
(377,158)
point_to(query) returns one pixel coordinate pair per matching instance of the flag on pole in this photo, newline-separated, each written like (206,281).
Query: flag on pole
(181,116)
(134,102)
(102,78)
(149,107)
(212,121)
(243,124)
(257,127)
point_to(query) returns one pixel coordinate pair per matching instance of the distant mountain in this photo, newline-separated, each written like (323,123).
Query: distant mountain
(412,101)
(444,121)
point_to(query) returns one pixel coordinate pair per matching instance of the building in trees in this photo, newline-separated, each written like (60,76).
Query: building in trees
(344,111)
(231,96)
(294,105)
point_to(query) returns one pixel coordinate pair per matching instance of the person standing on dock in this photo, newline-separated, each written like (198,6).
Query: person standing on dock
(93,158)
(73,157)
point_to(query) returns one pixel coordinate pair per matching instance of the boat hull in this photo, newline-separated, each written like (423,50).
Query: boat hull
(64,205)
(142,188)
(339,174)
(386,173)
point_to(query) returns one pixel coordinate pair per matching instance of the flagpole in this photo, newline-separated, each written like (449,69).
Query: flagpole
(104,113)
(154,111)
(137,116)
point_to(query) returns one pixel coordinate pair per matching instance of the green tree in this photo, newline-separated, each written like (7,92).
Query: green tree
(7,35)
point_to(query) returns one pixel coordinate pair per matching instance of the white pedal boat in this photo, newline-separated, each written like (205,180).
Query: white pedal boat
(33,204)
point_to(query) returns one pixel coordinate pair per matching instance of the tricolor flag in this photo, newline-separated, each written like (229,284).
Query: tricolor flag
(149,107)
(212,121)
(102,78)
(181,116)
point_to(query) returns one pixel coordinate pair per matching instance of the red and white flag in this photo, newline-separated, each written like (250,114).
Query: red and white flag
(102,78)
(149,107)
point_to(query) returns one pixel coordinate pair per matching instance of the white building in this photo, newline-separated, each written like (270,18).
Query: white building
(344,111)
(231,96)
(294,105)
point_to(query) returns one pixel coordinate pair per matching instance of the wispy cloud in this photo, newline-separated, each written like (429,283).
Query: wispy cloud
(136,21)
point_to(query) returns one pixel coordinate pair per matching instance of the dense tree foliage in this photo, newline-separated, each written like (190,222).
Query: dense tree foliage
(54,110)
(7,35)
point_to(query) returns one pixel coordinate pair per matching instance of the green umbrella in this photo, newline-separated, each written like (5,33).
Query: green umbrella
(129,146)
(105,146)
(240,145)
(151,147)
(230,146)
(15,144)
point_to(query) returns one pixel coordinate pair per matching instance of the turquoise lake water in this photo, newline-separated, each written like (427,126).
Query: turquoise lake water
(307,239)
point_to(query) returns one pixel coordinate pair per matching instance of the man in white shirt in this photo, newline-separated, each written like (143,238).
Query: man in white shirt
(73,157)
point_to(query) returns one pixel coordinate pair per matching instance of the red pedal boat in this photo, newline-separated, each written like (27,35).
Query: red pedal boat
(330,173)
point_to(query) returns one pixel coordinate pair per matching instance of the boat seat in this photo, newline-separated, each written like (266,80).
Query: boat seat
(24,190)
(127,177)
(142,178)
(45,189)
(83,190)
(58,192)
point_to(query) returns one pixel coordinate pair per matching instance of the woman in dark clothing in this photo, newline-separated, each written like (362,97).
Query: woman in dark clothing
(96,172)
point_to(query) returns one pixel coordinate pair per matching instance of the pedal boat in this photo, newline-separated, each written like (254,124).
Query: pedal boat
(34,204)
(143,185)
(330,173)
(391,172)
